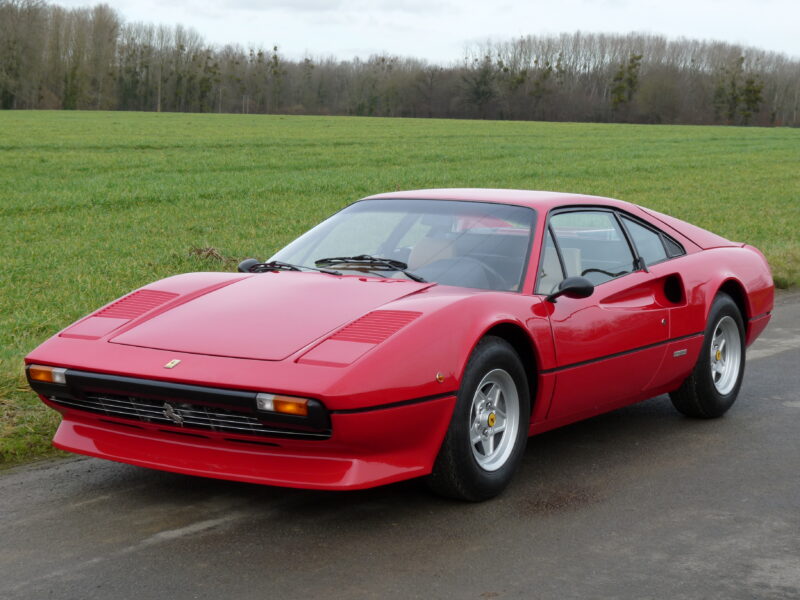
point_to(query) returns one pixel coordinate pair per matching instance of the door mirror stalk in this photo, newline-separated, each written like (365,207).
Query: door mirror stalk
(572,287)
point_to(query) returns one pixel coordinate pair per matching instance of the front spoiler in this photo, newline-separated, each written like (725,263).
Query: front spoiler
(367,449)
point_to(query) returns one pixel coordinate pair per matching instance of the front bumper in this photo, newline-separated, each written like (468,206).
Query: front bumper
(366,448)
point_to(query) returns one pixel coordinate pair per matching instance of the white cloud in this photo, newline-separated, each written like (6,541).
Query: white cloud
(438,30)
(294,5)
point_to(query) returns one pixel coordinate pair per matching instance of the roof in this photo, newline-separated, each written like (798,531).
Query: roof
(542,200)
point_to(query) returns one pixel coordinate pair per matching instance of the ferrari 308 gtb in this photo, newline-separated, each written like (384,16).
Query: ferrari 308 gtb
(423,333)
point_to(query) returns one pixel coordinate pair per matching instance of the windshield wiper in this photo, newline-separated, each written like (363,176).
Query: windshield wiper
(253,265)
(372,262)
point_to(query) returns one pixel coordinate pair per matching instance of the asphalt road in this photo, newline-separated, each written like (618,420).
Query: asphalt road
(640,503)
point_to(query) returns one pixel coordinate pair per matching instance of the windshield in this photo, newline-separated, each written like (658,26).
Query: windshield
(469,244)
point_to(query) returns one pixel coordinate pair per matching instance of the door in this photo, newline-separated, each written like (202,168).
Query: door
(609,345)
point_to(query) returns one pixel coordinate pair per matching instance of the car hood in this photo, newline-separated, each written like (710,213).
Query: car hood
(269,316)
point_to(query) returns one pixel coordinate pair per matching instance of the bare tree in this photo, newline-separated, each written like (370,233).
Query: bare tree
(52,57)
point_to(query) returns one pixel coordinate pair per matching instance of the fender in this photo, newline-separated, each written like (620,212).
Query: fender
(439,342)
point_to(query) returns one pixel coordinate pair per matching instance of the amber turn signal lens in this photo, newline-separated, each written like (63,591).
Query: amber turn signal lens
(291,407)
(286,405)
(47,374)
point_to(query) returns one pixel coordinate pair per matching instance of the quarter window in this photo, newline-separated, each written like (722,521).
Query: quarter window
(648,242)
(673,247)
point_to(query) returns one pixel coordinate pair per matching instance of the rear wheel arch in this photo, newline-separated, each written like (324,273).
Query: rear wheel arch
(736,291)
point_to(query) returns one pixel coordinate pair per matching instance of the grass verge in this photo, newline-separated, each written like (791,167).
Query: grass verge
(94,204)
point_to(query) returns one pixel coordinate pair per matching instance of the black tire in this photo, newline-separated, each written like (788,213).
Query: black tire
(699,395)
(458,472)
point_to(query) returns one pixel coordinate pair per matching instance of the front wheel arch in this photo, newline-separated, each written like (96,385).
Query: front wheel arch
(522,344)
(458,471)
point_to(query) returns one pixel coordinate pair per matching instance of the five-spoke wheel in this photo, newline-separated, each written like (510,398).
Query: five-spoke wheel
(487,434)
(714,383)
(495,419)
(726,355)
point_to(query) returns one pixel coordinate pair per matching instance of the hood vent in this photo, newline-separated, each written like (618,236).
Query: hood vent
(375,327)
(136,304)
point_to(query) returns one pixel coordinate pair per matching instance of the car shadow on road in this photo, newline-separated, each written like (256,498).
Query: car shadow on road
(565,469)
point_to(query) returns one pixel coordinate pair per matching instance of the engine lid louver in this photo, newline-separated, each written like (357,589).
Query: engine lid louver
(136,304)
(375,327)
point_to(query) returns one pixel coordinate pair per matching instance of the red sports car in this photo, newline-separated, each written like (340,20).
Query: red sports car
(423,333)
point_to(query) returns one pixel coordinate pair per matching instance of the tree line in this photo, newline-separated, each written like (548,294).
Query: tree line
(89,58)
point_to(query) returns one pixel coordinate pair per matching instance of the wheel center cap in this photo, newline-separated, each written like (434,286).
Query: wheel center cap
(491,419)
(719,355)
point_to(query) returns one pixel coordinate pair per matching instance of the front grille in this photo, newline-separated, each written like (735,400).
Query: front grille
(180,414)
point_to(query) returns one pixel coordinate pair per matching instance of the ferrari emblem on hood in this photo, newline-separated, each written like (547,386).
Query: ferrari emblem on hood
(172,364)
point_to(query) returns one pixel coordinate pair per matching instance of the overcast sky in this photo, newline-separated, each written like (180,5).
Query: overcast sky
(439,30)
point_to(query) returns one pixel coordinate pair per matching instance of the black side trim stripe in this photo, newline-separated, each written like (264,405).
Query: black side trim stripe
(761,316)
(350,411)
(618,354)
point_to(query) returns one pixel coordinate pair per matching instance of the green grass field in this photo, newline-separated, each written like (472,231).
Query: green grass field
(96,204)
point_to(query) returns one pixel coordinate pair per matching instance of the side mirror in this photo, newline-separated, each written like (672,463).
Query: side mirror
(247,264)
(572,287)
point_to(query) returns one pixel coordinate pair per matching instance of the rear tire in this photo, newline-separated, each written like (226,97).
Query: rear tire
(714,384)
(489,429)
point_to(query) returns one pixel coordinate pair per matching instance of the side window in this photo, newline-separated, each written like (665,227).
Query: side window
(648,242)
(592,245)
(550,271)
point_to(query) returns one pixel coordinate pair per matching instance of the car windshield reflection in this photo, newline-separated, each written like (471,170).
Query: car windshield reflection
(467,244)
